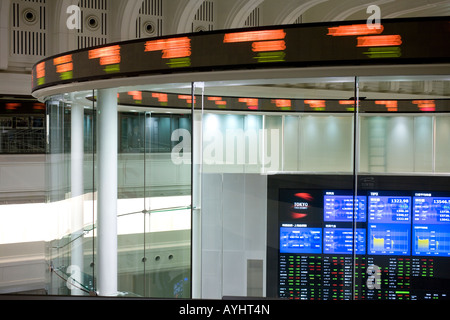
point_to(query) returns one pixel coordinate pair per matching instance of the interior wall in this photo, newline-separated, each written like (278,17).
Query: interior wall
(403,143)
(326,144)
(234,215)
(442,144)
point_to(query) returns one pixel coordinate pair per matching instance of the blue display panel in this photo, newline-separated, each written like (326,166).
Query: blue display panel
(340,240)
(431,240)
(431,224)
(389,208)
(389,239)
(339,208)
(431,210)
(325,253)
(300,240)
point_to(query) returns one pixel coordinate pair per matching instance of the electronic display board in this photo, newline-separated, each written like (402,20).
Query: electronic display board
(431,224)
(300,240)
(316,44)
(321,247)
(344,240)
(386,207)
(338,206)
(431,209)
(389,239)
(431,240)
(252,104)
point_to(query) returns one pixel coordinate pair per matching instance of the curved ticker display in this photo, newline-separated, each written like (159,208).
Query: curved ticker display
(343,43)
(253,104)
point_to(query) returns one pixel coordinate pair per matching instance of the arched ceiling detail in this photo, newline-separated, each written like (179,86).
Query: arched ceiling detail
(239,13)
(290,13)
(128,17)
(187,15)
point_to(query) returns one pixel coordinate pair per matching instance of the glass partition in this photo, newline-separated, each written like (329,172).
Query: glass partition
(403,144)
(318,188)
(403,125)
(152,195)
(293,157)
(71,192)
(250,133)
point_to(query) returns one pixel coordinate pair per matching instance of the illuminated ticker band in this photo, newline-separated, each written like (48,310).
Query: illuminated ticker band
(250,104)
(396,41)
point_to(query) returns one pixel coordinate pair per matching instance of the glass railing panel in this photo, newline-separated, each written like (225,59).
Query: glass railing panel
(70,183)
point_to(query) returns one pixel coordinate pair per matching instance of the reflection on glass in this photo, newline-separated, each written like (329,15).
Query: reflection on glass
(243,135)
(153,199)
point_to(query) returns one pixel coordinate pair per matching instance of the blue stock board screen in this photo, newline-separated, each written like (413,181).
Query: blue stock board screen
(389,208)
(389,239)
(431,224)
(339,207)
(431,240)
(301,240)
(344,240)
(330,248)
(431,210)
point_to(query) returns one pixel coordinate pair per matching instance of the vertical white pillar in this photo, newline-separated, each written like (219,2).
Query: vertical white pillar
(196,227)
(77,188)
(107,192)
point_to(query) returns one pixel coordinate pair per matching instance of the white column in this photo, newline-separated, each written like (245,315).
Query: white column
(196,228)
(107,192)
(77,188)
